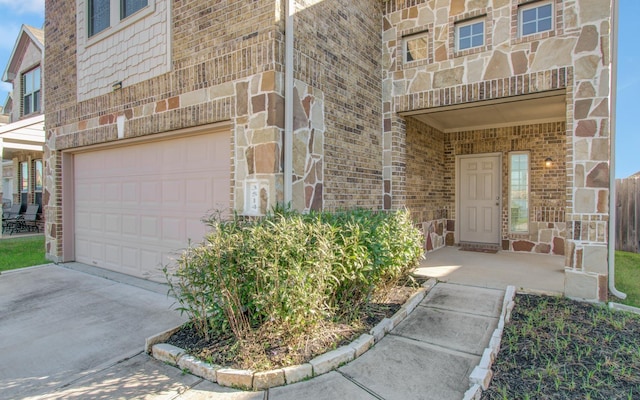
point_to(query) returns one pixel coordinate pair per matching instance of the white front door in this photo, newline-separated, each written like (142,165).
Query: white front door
(479,183)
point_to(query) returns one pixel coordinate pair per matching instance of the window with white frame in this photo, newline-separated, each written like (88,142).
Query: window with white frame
(519,192)
(469,34)
(24,177)
(99,15)
(38,170)
(416,47)
(31,91)
(129,7)
(106,13)
(535,18)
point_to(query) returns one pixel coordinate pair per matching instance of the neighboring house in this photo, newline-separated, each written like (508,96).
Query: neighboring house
(22,138)
(489,120)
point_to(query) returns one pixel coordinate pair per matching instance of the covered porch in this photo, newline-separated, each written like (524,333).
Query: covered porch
(528,272)
(491,173)
(21,148)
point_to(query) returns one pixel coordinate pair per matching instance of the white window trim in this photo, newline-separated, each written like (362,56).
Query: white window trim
(529,6)
(24,92)
(115,23)
(513,153)
(467,23)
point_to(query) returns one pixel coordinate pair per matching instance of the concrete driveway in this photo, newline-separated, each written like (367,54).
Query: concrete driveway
(60,324)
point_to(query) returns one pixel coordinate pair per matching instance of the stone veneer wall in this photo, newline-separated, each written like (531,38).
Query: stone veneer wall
(338,57)
(574,56)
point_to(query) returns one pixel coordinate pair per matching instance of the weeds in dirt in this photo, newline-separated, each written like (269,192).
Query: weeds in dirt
(555,348)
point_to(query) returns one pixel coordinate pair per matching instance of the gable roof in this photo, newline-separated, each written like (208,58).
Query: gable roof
(27,34)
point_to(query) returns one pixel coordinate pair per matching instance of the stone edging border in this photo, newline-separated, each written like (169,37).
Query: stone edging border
(481,376)
(250,380)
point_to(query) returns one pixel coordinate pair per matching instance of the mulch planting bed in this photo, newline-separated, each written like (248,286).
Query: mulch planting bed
(555,348)
(272,351)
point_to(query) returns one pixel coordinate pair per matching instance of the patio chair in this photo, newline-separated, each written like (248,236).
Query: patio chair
(9,217)
(29,220)
(26,222)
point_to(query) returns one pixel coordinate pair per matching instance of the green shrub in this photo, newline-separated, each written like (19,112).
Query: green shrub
(291,270)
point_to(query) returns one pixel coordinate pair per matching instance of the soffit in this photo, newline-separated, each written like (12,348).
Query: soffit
(519,110)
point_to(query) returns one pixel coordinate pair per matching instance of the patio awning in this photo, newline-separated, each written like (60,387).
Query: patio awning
(26,134)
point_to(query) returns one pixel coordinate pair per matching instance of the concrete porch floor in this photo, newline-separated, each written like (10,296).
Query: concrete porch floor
(534,272)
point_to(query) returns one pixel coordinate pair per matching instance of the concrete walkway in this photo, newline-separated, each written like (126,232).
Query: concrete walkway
(428,356)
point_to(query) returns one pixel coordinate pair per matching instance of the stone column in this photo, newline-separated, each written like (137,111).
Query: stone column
(51,199)
(588,121)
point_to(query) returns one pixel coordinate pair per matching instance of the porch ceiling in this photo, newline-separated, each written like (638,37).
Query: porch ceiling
(546,107)
(27,134)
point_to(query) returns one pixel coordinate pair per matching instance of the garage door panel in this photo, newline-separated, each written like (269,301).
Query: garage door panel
(130,194)
(96,223)
(97,251)
(113,224)
(153,259)
(130,225)
(83,221)
(82,248)
(112,193)
(173,229)
(197,192)
(137,206)
(97,194)
(196,229)
(149,227)
(151,193)
(172,193)
(129,257)
(112,255)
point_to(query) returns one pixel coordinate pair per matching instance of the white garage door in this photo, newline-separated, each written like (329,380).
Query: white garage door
(137,206)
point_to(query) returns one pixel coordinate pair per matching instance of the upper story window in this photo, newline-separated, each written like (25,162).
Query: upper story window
(99,15)
(128,7)
(106,13)
(469,34)
(535,18)
(31,91)
(416,47)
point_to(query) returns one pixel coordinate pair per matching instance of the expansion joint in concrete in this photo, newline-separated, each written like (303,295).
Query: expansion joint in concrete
(361,386)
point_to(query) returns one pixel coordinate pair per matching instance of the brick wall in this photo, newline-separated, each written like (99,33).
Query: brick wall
(547,190)
(430,180)
(338,53)
(223,60)
(428,188)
